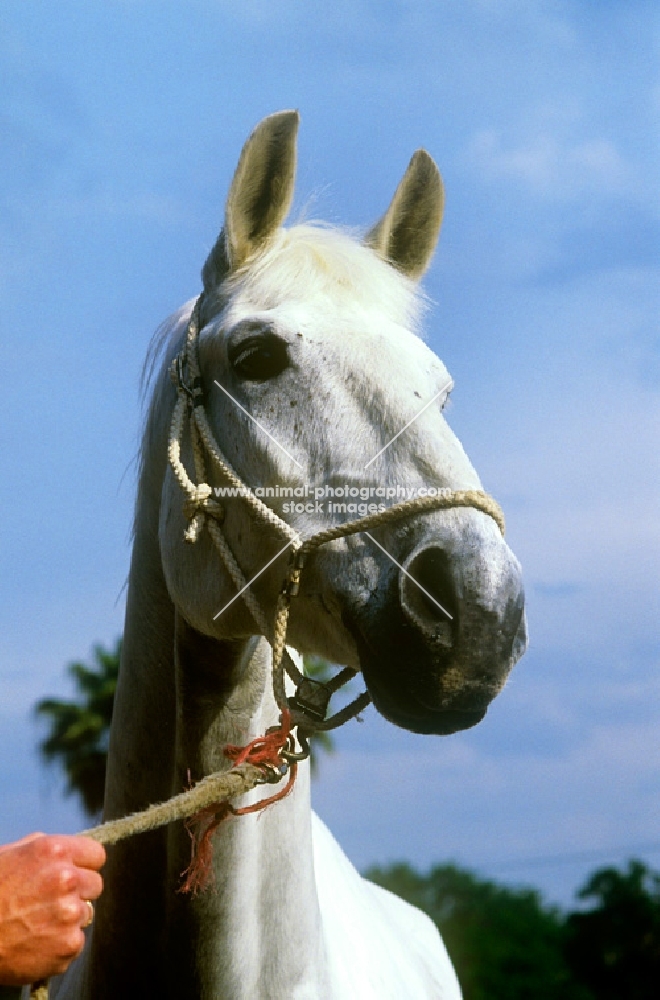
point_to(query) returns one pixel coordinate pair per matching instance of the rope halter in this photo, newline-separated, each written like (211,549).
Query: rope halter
(308,707)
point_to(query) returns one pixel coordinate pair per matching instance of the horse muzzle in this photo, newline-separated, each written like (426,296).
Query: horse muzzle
(442,647)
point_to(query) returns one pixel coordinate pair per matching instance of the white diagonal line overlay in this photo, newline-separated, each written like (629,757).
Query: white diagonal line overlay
(405,571)
(250,582)
(399,433)
(260,426)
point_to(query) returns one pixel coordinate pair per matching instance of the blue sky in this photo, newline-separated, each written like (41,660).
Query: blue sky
(120,127)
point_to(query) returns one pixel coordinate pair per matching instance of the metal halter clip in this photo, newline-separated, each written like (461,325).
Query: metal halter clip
(271,774)
(312,699)
(292,581)
(293,756)
(194,392)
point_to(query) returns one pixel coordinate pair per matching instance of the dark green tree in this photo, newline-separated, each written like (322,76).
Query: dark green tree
(614,948)
(79,729)
(504,943)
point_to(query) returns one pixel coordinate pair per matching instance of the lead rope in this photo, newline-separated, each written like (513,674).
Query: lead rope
(268,758)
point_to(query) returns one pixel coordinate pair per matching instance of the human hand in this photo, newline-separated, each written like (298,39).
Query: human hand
(45,885)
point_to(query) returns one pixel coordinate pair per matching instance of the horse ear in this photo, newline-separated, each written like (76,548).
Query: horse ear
(408,232)
(260,195)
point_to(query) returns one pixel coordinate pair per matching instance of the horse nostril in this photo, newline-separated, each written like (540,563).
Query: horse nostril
(427,594)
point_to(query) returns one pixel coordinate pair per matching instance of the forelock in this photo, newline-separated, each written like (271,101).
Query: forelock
(321,264)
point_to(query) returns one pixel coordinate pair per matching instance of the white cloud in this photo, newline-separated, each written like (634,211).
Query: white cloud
(550,165)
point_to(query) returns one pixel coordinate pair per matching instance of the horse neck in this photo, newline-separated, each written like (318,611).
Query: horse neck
(236,938)
(181,697)
(128,929)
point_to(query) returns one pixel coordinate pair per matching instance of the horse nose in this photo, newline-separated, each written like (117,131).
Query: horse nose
(428,595)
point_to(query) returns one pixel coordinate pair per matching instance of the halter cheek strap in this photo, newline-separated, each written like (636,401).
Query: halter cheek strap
(308,706)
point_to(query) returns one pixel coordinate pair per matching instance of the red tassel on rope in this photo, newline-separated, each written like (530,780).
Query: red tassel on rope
(262,751)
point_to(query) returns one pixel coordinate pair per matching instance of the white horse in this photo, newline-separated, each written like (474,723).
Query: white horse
(313,333)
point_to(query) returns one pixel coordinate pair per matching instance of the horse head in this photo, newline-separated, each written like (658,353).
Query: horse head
(329,405)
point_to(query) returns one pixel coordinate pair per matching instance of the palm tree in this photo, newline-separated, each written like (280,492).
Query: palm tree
(80,729)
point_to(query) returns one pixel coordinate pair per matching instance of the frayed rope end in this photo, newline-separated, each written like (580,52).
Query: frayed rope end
(265,751)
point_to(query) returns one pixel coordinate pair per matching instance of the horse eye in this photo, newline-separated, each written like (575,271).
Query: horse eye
(259,358)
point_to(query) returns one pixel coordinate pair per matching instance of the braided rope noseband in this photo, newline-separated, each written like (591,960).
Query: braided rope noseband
(308,707)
